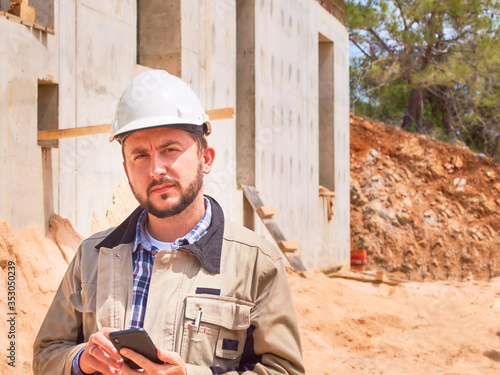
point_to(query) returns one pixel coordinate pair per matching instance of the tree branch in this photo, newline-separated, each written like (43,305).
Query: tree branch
(384,45)
(362,50)
(399,6)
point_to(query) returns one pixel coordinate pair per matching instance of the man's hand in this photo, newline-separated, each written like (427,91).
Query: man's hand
(174,365)
(100,354)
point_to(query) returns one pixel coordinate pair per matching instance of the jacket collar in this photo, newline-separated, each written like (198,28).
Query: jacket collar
(208,248)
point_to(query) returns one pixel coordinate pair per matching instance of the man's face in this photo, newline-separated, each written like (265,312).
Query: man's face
(165,169)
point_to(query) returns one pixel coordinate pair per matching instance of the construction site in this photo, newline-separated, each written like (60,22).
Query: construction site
(292,164)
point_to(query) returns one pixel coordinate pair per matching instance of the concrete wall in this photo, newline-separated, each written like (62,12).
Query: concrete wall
(262,57)
(97,60)
(104,61)
(335,245)
(209,67)
(286,137)
(27,56)
(91,57)
(196,41)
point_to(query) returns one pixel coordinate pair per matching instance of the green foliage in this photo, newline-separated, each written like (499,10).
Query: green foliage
(449,49)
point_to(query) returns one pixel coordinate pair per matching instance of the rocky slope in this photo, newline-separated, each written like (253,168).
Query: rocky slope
(423,209)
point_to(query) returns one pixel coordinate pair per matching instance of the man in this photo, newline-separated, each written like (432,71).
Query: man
(212,295)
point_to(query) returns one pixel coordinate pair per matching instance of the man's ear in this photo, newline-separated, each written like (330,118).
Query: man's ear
(208,159)
(125,168)
(124,164)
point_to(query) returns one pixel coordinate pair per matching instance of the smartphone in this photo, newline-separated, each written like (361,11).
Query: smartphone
(137,340)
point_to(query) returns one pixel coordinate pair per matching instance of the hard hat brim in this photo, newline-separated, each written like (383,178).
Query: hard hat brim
(161,121)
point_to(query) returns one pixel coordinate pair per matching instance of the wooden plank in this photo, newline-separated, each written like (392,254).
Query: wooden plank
(288,246)
(23,11)
(381,276)
(17,19)
(328,194)
(274,230)
(220,113)
(25,2)
(255,201)
(359,276)
(267,211)
(325,192)
(296,263)
(367,276)
(252,196)
(48,135)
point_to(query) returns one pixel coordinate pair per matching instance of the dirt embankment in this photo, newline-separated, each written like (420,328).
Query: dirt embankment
(423,209)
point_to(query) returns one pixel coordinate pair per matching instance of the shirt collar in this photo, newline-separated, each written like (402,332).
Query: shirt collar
(207,249)
(200,229)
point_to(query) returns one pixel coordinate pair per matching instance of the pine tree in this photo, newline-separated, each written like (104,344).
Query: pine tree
(430,65)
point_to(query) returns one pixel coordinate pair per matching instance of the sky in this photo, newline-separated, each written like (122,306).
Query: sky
(354,51)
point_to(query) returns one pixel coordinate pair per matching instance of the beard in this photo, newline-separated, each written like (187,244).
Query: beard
(188,195)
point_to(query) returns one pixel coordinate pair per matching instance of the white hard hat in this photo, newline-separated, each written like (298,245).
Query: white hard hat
(157,98)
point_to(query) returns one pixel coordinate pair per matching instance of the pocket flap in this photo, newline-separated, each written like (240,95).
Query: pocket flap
(84,300)
(227,312)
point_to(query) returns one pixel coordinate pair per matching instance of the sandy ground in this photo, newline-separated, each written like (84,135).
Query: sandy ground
(352,327)
(347,327)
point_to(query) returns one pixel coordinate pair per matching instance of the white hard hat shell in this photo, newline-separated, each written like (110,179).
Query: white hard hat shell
(157,98)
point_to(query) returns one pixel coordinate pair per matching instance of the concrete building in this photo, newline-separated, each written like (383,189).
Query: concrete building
(282,64)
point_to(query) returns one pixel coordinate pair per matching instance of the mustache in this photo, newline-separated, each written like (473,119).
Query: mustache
(163,180)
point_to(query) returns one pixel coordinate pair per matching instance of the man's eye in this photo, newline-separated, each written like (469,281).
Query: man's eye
(139,156)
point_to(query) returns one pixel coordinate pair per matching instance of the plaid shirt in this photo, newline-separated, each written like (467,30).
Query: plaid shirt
(143,257)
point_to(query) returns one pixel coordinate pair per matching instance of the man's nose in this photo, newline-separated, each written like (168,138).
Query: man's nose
(158,167)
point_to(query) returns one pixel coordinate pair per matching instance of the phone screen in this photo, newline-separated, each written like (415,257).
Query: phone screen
(137,340)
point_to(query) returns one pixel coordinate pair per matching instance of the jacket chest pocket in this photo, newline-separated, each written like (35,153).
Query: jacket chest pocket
(214,330)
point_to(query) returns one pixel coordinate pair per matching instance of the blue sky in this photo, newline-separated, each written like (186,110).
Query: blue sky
(354,51)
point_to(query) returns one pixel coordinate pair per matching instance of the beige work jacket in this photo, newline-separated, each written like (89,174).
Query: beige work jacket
(248,324)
